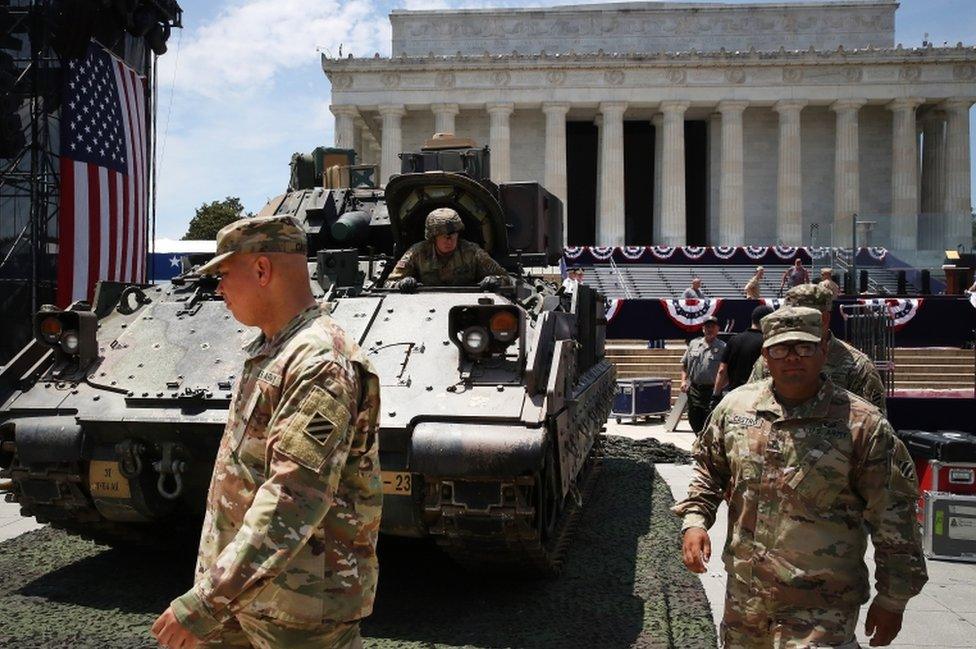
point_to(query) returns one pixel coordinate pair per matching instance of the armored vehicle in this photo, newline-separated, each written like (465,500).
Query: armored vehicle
(492,401)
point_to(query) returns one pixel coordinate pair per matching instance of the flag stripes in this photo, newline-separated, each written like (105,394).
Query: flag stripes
(104,193)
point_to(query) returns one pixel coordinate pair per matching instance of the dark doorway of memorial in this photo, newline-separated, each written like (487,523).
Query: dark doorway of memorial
(639,183)
(696,183)
(581,173)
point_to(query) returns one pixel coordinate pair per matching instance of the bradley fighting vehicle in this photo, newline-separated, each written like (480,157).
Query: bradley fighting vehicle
(492,401)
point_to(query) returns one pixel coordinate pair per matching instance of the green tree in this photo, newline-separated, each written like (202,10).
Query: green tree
(210,217)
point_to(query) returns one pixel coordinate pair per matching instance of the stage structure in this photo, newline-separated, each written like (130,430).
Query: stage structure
(678,124)
(40,41)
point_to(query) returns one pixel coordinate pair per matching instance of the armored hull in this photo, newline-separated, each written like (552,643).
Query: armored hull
(486,448)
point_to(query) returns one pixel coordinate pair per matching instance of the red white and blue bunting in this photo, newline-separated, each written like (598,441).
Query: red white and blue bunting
(662,252)
(690,314)
(613,306)
(633,252)
(736,255)
(902,310)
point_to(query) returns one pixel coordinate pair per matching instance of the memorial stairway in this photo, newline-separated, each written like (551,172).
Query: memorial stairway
(931,368)
(636,281)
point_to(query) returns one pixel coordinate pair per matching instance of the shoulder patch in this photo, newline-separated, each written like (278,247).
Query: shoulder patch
(316,431)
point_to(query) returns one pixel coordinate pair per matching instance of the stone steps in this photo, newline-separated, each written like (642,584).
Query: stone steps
(915,368)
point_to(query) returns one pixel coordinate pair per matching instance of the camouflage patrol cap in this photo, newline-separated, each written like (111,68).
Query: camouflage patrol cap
(813,296)
(443,220)
(791,324)
(257,234)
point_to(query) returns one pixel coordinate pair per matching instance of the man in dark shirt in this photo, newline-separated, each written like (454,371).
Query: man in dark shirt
(739,356)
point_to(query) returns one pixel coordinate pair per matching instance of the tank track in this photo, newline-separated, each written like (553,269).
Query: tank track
(518,552)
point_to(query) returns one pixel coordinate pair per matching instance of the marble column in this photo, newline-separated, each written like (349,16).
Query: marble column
(345,126)
(732,226)
(444,117)
(658,122)
(904,174)
(499,141)
(958,190)
(555,171)
(365,155)
(392,140)
(598,122)
(673,219)
(789,182)
(714,176)
(933,163)
(611,230)
(846,164)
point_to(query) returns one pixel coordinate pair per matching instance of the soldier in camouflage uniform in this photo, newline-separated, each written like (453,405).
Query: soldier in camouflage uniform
(288,550)
(444,259)
(807,469)
(847,366)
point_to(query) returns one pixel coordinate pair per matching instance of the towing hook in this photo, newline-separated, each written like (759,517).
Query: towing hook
(130,457)
(125,305)
(176,468)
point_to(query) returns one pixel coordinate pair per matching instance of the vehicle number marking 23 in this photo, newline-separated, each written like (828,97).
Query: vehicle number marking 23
(397,483)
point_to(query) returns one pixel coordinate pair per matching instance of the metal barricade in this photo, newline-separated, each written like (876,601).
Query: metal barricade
(871,329)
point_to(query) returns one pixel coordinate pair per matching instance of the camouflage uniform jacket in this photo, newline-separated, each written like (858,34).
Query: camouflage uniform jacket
(294,505)
(467,265)
(830,285)
(848,368)
(803,481)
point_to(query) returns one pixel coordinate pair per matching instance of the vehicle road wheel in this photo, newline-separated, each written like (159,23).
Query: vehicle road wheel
(549,499)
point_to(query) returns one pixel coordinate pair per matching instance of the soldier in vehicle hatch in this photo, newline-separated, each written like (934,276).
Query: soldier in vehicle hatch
(444,259)
(288,550)
(808,470)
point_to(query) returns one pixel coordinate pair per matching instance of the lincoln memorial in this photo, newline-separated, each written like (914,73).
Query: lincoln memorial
(687,124)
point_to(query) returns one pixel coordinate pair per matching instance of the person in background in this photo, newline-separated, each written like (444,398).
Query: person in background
(699,366)
(753,288)
(574,276)
(808,471)
(827,281)
(694,291)
(847,366)
(740,353)
(794,275)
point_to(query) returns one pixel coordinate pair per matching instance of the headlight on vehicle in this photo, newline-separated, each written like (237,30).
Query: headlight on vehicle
(486,330)
(69,342)
(504,326)
(70,332)
(475,339)
(50,330)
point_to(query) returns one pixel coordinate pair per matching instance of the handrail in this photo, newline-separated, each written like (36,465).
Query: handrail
(623,280)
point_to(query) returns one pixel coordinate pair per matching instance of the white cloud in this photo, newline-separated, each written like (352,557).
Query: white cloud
(241,50)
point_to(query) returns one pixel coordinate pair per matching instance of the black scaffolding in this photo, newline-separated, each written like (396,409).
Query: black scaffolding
(37,38)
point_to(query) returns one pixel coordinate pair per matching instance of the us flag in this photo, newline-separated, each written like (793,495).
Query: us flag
(102,227)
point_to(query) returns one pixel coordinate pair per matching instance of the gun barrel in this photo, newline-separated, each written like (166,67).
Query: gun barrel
(351,228)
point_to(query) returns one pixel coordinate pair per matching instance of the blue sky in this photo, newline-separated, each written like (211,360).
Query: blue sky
(242,88)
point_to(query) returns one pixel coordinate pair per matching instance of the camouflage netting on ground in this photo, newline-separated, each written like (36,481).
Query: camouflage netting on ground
(623,584)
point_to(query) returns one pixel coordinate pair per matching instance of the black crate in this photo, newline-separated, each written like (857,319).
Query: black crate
(943,445)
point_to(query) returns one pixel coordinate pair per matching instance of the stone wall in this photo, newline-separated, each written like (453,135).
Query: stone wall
(646,27)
